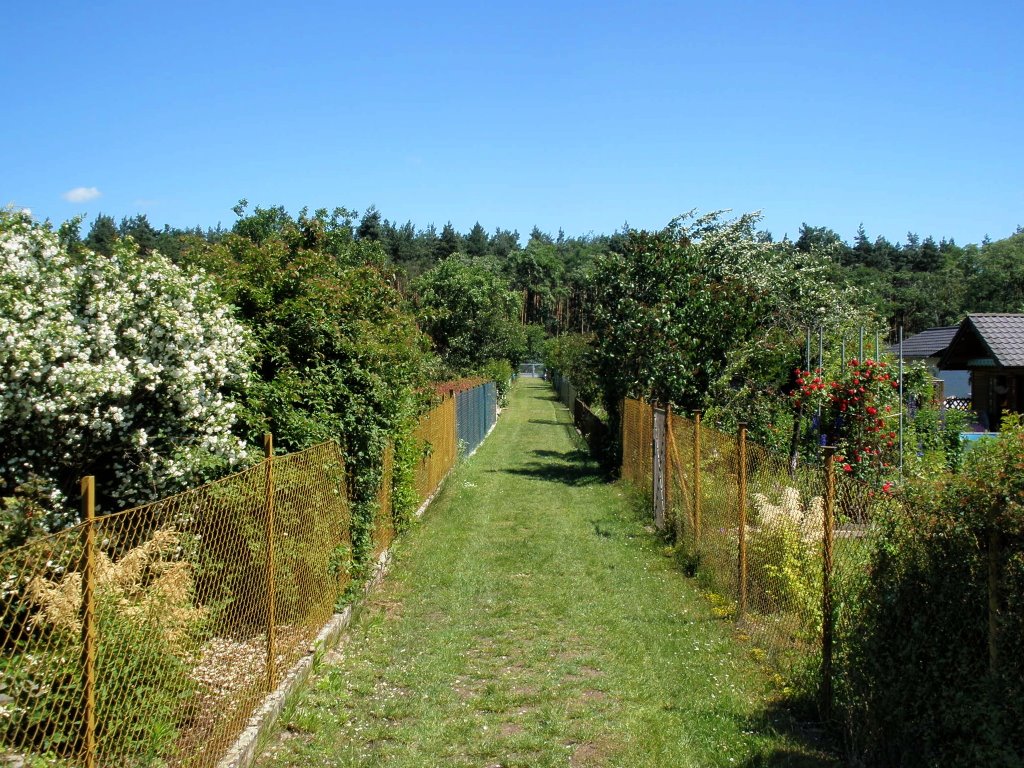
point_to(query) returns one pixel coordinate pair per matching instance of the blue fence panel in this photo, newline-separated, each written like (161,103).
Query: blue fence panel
(476,411)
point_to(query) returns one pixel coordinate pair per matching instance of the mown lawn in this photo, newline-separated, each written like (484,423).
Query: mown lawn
(532,620)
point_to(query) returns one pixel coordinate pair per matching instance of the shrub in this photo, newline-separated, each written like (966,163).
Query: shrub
(785,571)
(500,372)
(916,679)
(338,356)
(147,629)
(118,366)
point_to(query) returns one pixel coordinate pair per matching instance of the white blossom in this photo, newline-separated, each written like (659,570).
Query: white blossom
(126,357)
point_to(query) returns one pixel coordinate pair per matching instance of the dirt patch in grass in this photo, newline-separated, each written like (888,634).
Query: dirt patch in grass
(510,729)
(592,753)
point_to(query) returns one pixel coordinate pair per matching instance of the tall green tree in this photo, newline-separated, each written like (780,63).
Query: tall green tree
(476,242)
(102,235)
(470,313)
(370,227)
(705,304)
(449,242)
(338,355)
(141,231)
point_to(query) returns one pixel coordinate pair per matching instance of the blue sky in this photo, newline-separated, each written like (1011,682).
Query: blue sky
(900,115)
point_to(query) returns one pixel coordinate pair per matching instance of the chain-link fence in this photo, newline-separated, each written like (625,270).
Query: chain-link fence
(591,428)
(476,411)
(149,636)
(436,433)
(778,547)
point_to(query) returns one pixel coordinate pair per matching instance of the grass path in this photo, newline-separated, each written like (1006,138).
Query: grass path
(531,620)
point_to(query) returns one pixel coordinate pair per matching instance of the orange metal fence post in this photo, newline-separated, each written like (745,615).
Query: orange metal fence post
(827,627)
(741,474)
(268,450)
(696,477)
(89,638)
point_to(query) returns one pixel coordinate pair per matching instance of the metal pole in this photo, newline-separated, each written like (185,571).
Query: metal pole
(807,355)
(89,637)
(877,353)
(654,467)
(696,476)
(741,474)
(268,450)
(842,352)
(861,356)
(827,624)
(901,399)
(821,366)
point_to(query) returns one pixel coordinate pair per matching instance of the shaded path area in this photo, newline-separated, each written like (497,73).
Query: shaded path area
(531,620)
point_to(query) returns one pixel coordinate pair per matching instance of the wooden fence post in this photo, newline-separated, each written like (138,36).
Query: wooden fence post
(827,619)
(696,477)
(89,635)
(741,474)
(268,450)
(668,467)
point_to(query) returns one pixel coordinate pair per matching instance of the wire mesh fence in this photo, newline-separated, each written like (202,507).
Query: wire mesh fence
(149,636)
(437,435)
(476,410)
(778,547)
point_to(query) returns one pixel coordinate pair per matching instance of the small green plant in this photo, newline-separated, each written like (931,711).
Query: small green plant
(146,630)
(785,572)
(500,372)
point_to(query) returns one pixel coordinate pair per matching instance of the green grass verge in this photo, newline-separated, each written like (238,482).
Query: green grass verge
(533,620)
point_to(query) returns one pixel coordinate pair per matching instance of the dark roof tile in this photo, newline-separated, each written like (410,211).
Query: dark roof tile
(1004,335)
(930,342)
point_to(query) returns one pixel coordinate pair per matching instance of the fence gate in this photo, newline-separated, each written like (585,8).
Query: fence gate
(660,441)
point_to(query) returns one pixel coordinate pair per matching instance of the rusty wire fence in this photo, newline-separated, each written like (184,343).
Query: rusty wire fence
(150,636)
(778,548)
(436,434)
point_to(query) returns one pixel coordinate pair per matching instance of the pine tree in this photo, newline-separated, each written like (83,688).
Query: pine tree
(102,235)
(476,241)
(370,225)
(449,243)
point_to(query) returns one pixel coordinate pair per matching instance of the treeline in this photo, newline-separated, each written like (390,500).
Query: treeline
(921,283)
(918,283)
(550,273)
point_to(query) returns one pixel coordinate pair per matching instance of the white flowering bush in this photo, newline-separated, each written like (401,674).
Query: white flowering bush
(120,367)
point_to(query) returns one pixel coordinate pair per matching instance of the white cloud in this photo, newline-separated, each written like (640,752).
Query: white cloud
(81,194)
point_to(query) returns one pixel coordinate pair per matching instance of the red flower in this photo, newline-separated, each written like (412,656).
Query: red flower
(847,468)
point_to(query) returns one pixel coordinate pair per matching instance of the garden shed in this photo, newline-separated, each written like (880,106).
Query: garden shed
(928,346)
(991,347)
